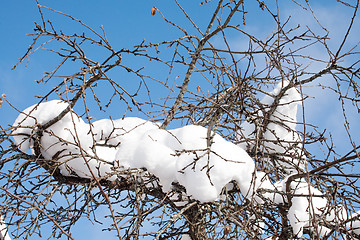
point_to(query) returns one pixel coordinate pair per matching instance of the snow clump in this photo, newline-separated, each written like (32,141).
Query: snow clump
(176,156)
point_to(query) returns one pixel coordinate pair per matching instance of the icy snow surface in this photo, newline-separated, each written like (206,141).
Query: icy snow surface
(183,155)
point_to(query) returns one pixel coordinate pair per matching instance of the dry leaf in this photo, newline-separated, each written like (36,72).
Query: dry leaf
(153,11)
(227,229)
(198,88)
(1,99)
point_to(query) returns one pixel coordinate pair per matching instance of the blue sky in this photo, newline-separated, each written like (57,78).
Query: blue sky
(129,22)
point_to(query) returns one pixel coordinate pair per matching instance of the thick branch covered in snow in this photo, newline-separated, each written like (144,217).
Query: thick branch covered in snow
(240,169)
(108,147)
(112,149)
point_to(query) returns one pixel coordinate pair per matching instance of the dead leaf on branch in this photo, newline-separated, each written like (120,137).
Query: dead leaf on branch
(153,11)
(1,99)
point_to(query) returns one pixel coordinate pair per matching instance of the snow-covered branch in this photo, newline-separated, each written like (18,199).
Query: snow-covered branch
(220,122)
(113,150)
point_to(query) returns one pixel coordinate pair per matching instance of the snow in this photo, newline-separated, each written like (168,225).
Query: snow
(151,153)
(184,156)
(36,114)
(185,237)
(62,140)
(298,214)
(4,235)
(280,136)
(116,131)
(354,224)
(170,156)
